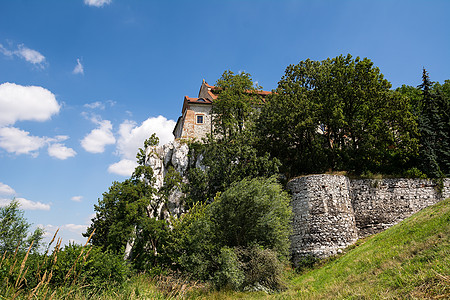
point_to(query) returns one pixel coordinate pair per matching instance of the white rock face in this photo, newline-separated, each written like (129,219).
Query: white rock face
(161,158)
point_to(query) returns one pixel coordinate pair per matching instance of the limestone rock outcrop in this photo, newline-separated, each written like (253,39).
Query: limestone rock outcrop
(161,158)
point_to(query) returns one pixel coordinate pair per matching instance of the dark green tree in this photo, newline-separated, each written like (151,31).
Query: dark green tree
(235,103)
(253,211)
(337,114)
(127,213)
(434,129)
(226,161)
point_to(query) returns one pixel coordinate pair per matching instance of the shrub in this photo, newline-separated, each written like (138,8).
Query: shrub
(230,274)
(262,268)
(253,211)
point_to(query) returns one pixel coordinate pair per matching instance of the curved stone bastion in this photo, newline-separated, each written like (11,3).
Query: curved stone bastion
(323,218)
(331,212)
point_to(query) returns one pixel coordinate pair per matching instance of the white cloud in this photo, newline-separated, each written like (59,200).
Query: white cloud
(60,151)
(6,189)
(98,138)
(94,105)
(26,204)
(18,141)
(79,69)
(77,198)
(99,105)
(5,51)
(132,137)
(125,167)
(30,55)
(97,3)
(26,103)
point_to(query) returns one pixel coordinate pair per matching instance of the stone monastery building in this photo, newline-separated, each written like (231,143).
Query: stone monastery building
(195,120)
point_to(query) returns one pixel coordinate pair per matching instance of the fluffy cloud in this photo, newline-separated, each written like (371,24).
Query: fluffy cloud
(98,138)
(18,141)
(132,137)
(125,167)
(30,55)
(60,151)
(26,103)
(6,189)
(79,69)
(76,198)
(97,3)
(26,204)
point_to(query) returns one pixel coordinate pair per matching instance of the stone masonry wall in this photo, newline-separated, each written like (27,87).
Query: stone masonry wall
(323,218)
(332,211)
(381,203)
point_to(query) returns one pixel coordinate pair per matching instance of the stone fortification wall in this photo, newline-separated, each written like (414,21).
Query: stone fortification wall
(332,211)
(323,218)
(381,203)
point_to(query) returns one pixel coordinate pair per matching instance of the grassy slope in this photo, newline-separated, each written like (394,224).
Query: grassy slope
(408,261)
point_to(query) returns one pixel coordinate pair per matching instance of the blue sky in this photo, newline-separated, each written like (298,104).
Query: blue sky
(84,82)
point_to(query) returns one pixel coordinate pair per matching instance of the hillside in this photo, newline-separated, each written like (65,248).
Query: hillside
(409,260)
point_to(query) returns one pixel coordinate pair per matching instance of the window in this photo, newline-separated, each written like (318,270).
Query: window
(200,119)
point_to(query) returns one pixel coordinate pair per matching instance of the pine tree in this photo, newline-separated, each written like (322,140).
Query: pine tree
(431,129)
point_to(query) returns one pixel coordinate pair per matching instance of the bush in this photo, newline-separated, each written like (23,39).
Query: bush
(262,268)
(230,274)
(253,211)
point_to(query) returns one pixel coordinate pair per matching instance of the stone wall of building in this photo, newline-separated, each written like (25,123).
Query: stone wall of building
(331,212)
(201,130)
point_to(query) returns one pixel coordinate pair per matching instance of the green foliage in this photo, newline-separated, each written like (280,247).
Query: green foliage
(434,128)
(14,230)
(262,268)
(337,114)
(226,161)
(235,104)
(230,274)
(223,241)
(252,268)
(128,213)
(253,211)
(73,268)
(190,246)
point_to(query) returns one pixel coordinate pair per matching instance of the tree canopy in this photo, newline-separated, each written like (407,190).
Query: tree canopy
(235,103)
(337,114)
(14,230)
